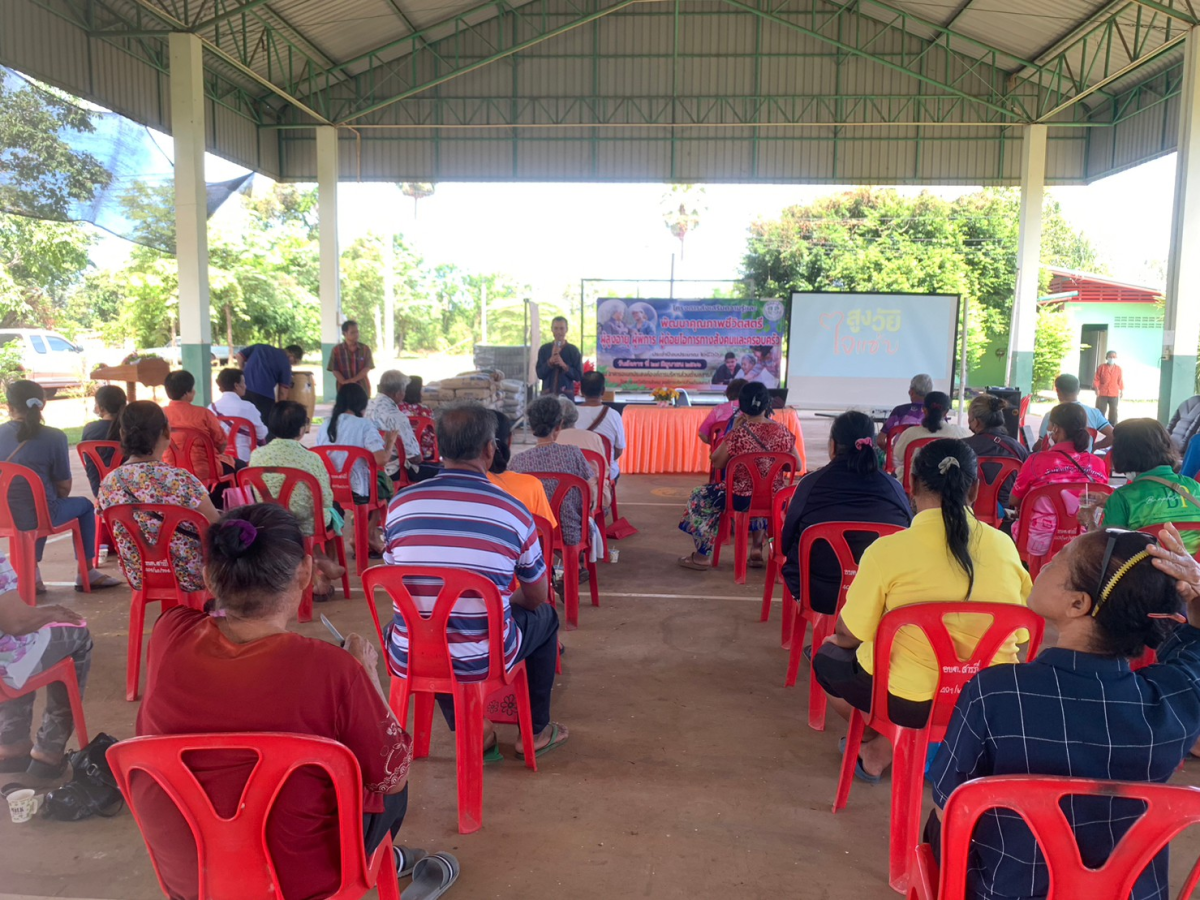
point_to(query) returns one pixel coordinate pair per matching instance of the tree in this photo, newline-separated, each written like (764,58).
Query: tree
(418,190)
(1053,341)
(683,207)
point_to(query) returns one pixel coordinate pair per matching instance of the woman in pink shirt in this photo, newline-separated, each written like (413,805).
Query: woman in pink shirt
(1067,461)
(722,415)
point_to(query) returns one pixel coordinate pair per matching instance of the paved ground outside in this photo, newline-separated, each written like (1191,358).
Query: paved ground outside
(690,772)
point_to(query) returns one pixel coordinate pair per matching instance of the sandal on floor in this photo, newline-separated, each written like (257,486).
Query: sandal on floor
(555,741)
(689,562)
(39,769)
(432,877)
(15,763)
(492,753)
(407,859)
(39,589)
(100,584)
(859,772)
(755,563)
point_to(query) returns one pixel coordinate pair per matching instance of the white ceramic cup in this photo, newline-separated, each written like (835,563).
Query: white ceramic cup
(23,805)
(613,554)
(102,555)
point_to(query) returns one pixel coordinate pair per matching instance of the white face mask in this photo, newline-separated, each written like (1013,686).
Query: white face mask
(1111,362)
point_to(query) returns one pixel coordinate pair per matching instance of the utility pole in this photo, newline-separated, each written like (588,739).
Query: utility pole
(483,310)
(389,296)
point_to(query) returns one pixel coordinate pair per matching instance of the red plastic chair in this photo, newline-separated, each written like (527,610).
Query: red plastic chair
(760,504)
(548,539)
(232,857)
(192,449)
(160,583)
(1067,528)
(339,480)
(776,558)
(21,544)
(716,436)
(987,504)
(1039,800)
(64,671)
(572,554)
(89,452)
(911,744)
(1023,411)
(600,465)
(1181,527)
(801,613)
(910,451)
(431,672)
(614,514)
(420,426)
(235,427)
(323,536)
(889,445)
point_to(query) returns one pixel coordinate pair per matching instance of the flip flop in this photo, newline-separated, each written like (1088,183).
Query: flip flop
(859,772)
(15,763)
(754,563)
(492,754)
(688,563)
(410,857)
(102,583)
(554,742)
(432,877)
(39,589)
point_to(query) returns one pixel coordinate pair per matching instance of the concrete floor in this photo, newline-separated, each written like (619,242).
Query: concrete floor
(690,771)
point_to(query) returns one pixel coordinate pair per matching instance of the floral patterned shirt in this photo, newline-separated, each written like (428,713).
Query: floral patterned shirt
(156,482)
(428,438)
(771,438)
(19,655)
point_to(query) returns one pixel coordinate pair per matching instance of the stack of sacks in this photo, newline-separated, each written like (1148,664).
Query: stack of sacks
(481,387)
(512,396)
(431,395)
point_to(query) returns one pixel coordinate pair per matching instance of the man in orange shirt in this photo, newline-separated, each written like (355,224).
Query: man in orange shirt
(181,389)
(1110,385)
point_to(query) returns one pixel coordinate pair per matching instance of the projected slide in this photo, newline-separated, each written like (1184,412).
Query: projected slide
(860,350)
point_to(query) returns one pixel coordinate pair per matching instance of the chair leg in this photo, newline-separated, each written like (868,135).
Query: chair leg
(520,684)
(769,588)
(339,545)
(741,546)
(133,664)
(908,783)
(854,736)
(82,559)
(722,531)
(593,582)
(423,724)
(468,740)
(398,694)
(24,559)
(362,548)
(787,626)
(383,868)
(795,653)
(570,558)
(71,682)
(817,700)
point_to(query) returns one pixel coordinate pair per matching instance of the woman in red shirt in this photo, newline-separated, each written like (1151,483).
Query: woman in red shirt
(753,433)
(246,672)
(1067,460)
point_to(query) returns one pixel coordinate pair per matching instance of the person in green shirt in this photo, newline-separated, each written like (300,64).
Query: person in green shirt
(1155,495)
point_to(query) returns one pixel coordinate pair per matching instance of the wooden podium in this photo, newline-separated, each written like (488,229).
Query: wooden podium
(150,372)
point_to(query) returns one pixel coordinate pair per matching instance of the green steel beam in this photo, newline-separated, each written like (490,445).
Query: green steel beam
(232,11)
(1170,9)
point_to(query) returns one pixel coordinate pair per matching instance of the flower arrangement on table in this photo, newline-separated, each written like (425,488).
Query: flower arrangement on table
(665,396)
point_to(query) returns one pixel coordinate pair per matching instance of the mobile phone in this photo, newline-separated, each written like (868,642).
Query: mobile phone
(337,635)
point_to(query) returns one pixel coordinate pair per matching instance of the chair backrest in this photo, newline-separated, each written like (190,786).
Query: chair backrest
(834,534)
(158,575)
(189,445)
(422,425)
(566,484)
(232,856)
(1067,526)
(339,462)
(779,507)
(607,444)
(988,502)
(10,474)
(89,452)
(763,485)
(1023,411)
(253,478)
(889,445)
(235,427)
(910,451)
(953,671)
(428,646)
(600,465)
(1039,800)
(549,543)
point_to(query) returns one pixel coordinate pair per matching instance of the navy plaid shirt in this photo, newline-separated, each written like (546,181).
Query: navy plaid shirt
(1072,714)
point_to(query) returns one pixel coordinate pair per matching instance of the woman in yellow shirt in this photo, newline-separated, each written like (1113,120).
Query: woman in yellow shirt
(946,556)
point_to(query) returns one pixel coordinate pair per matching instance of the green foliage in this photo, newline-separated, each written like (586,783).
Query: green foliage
(1053,341)
(10,363)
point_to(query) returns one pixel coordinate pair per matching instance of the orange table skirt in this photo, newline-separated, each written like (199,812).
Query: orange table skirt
(664,440)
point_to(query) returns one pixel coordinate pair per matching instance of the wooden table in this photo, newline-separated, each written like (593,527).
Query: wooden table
(664,440)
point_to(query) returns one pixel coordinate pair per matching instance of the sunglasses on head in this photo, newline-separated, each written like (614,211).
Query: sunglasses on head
(1104,588)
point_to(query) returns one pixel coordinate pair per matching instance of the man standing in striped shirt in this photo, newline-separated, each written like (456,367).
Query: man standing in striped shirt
(460,520)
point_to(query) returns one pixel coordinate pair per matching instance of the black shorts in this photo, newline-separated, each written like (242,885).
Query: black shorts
(838,672)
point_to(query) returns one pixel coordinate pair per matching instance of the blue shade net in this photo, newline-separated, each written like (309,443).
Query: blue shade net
(139,173)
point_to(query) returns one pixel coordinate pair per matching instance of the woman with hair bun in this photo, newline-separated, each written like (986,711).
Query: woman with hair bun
(1067,461)
(1079,710)
(852,488)
(753,433)
(937,407)
(26,440)
(946,556)
(144,478)
(246,672)
(109,402)
(990,440)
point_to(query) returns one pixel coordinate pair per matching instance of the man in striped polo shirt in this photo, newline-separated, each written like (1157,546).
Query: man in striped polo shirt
(460,520)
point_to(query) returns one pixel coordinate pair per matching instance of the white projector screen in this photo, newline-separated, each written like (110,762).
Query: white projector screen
(849,350)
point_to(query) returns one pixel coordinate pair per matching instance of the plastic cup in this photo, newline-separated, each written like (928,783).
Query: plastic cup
(102,554)
(613,554)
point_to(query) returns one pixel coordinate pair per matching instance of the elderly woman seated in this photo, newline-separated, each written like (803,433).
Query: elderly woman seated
(545,417)
(584,440)
(256,676)
(32,639)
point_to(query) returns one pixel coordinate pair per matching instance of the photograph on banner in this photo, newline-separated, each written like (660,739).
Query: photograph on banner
(700,345)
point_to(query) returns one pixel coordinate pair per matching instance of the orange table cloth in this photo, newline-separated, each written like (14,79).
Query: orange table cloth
(663,440)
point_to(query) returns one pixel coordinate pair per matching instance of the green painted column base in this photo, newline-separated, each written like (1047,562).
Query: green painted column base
(197,359)
(328,383)
(1177,382)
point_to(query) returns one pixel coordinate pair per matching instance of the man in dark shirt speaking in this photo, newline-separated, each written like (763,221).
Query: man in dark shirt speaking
(559,363)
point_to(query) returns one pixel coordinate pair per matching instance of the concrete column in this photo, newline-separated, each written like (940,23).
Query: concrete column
(1029,250)
(191,210)
(1181,324)
(331,289)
